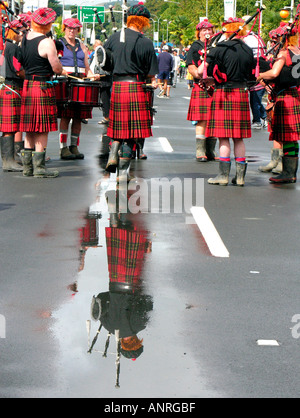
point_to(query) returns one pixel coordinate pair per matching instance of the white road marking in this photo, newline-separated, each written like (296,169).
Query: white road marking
(186,97)
(209,232)
(268,342)
(166,146)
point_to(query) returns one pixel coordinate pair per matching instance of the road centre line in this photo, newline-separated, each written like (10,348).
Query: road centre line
(209,232)
(166,146)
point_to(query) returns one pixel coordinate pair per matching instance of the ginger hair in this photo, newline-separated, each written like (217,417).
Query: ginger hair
(232,27)
(63,28)
(292,40)
(12,35)
(131,344)
(41,28)
(140,22)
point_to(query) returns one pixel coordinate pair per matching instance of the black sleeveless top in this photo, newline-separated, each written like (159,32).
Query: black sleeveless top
(32,62)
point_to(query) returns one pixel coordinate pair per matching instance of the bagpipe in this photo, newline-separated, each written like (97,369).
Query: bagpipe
(286,77)
(212,42)
(103,30)
(113,20)
(5,21)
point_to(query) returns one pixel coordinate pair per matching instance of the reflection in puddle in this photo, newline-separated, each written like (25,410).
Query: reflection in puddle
(122,310)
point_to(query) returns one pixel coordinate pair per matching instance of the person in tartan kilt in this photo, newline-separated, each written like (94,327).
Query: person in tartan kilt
(201,97)
(75,60)
(275,165)
(231,64)
(38,107)
(285,124)
(130,115)
(10,99)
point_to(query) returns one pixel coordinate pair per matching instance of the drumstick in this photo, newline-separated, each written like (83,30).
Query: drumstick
(76,78)
(92,76)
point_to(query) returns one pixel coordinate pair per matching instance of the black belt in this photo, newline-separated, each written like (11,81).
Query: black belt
(232,85)
(13,83)
(129,78)
(38,78)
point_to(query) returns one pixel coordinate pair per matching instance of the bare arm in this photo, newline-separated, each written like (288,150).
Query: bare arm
(193,70)
(275,70)
(48,50)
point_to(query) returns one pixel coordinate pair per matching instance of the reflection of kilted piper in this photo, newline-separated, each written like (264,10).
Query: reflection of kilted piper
(133,62)
(125,254)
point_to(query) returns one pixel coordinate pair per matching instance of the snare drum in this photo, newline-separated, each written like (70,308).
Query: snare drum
(61,89)
(85,92)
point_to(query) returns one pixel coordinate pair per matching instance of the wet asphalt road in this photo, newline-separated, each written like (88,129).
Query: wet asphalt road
(208,312)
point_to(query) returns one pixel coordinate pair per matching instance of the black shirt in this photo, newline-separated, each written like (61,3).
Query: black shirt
(12,56)
(32,62)
(135,56)
(194,54)
(234,58)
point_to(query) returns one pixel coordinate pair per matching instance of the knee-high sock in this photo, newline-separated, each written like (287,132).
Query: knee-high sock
(291,149)
(63,138)
(74,139)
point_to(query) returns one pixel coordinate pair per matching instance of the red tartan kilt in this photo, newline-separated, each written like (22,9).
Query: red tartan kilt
(285,125)
(200,103)
(38,109)
(229,115)
(125,255)
(10,109)
(150,98)
(74,111)
(129,116)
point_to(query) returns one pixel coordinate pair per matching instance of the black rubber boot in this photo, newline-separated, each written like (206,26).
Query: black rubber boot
(210,149)
(201,150)
(8,155)
(289,171)
(223,176)
(113,158)
(104,146)
(140,149)
(26,156)
(124,162)
(239,178)
(18,148)
(39,169)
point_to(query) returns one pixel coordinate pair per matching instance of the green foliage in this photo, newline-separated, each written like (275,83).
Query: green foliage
(185,16)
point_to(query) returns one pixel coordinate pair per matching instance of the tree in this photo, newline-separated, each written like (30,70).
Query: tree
(56,6)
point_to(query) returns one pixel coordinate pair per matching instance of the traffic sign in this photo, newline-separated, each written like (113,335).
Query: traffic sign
(86,14)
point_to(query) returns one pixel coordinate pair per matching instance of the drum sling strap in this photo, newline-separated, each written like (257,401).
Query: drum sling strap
(73,49)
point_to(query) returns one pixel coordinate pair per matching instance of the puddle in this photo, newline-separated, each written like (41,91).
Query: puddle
(117,331)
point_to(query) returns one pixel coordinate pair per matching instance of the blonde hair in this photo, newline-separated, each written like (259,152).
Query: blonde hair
(233,27)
